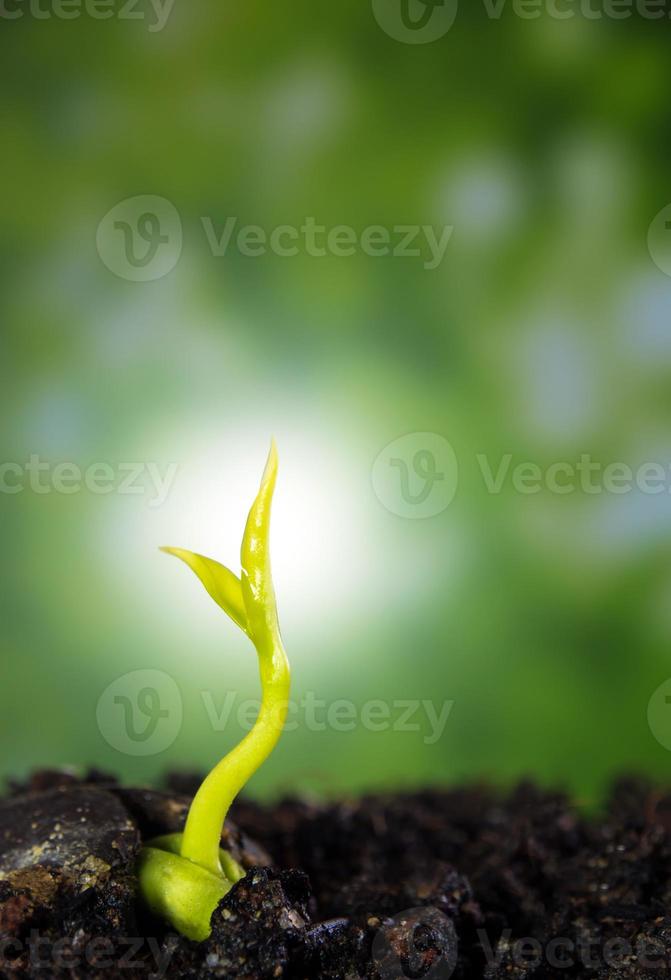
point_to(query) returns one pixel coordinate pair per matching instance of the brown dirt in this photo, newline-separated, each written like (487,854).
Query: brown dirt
(465,883)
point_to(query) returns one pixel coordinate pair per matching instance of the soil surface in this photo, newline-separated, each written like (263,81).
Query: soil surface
(466,883)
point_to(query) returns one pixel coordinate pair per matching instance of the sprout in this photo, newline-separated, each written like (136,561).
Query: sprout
(184,876)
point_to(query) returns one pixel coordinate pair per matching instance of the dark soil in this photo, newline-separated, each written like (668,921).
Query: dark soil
(464,883)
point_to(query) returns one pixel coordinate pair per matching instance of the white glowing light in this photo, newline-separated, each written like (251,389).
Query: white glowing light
(340,560)
(316,531)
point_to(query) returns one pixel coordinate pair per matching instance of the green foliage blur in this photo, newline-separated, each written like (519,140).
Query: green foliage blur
(543,335)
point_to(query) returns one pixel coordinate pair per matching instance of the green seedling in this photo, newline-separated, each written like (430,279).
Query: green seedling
(184,876)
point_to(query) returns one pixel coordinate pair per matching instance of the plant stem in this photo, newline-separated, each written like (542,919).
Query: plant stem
(202,834)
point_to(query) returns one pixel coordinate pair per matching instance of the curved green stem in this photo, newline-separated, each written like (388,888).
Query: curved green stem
(202,833)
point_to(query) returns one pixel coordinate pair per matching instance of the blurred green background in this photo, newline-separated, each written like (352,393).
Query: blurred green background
(544,333)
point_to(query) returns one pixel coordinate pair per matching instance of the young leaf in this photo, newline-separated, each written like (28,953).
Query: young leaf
(224,587)
(256,580)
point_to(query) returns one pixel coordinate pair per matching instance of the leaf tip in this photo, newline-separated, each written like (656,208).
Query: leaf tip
(168,550)
(270,471)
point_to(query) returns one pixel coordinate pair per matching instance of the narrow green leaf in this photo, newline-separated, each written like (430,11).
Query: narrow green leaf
(257,583)
(220,582)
